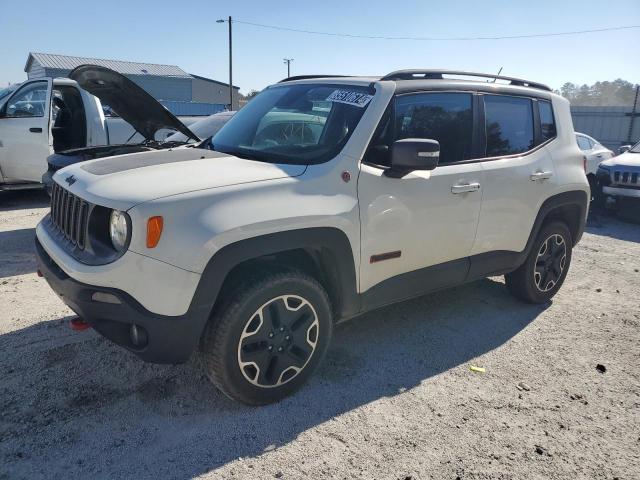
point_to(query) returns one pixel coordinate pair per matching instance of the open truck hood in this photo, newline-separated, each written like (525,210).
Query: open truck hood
(128,100)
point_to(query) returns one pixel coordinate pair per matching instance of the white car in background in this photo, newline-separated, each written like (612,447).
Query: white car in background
(204,128)
(594,153)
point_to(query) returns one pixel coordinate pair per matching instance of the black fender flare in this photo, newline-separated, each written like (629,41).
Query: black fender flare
(330,244)
(577,198)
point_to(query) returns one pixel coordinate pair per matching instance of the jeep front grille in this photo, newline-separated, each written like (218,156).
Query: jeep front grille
(69,215)
(622,177)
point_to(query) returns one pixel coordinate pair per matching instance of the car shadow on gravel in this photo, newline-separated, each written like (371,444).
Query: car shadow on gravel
(607,224)
(86,407)
(17,255)
(22,199)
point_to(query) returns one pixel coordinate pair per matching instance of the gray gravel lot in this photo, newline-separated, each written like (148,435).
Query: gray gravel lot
(394,399)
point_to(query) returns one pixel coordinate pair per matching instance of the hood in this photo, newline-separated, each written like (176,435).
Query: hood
(627,159)
(128,100)
(128,180)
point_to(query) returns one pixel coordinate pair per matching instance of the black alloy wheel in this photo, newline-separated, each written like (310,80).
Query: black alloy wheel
(550,262)
(278,341)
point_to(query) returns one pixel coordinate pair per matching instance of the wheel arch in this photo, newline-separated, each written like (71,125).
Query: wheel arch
(569,207)
(322,252)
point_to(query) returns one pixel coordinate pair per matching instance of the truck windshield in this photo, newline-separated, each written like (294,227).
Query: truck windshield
(635,148)
(301,124)
(4,92)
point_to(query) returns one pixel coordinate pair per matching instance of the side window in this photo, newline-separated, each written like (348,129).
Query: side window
(508,125)
(29,101)
(583,143)
(445,117)
(547,122)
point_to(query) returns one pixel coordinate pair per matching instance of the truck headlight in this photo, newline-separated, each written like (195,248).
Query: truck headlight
(118,229)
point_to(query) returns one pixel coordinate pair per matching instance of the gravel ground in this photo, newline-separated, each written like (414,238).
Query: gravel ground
(394,399)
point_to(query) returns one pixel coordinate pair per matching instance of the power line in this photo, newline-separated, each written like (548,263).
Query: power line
(438,39)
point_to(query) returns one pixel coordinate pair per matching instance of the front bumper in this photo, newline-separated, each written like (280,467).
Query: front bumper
(622,192)
(47,180)
(169,339)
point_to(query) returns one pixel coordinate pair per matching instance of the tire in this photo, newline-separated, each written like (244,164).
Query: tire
(540,277)
(597,199)
(268,337)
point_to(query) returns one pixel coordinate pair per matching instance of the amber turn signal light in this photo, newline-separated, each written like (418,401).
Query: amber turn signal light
(154,230)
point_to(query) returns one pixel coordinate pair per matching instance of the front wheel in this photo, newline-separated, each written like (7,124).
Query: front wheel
(540,277)
(268,338)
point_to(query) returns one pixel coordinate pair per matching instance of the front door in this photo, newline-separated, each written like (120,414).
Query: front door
(24,133)
(417,231)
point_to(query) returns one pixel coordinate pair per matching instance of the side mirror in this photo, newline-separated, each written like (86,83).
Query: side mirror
(411,154)
(624,148)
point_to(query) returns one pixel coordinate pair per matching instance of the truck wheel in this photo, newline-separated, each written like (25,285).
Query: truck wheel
(541,275)
(268,338)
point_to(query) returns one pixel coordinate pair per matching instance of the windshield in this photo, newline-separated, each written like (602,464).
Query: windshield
(635,148)
(300,124)
(205,128)
(5,92)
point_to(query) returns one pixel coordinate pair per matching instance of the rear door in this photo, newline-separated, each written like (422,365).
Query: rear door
(25,140)
(518,171)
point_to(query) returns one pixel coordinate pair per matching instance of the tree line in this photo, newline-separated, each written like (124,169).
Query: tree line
(618,93)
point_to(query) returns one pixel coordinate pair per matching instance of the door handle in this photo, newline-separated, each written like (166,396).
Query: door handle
(536,176)
(465,188)
(35,130)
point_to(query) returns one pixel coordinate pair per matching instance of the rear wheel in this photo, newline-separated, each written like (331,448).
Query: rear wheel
(269,338)
(541,275)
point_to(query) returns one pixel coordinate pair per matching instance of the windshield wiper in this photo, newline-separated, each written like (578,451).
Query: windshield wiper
(238,153)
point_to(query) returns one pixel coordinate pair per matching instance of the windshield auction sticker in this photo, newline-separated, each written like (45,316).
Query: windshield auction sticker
(350,98)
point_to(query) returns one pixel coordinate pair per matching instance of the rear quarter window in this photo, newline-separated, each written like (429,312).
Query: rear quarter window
(547,120)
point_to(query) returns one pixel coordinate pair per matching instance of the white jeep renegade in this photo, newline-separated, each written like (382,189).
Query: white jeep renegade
(322,199)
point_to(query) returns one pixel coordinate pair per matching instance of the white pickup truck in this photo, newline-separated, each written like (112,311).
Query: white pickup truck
(45,116)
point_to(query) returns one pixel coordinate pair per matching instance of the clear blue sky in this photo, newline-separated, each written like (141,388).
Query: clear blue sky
(185,33)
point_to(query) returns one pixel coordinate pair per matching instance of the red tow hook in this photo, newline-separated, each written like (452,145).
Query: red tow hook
(79,324)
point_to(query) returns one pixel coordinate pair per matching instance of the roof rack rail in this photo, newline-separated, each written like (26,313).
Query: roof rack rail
(438,75)
(306,77)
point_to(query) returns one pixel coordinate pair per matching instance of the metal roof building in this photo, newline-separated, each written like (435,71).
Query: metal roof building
(169,84)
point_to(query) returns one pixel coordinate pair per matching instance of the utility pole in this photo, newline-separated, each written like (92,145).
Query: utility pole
(230,21)
(288,62)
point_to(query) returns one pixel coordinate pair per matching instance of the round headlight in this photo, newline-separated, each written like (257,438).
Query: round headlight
(118,230)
